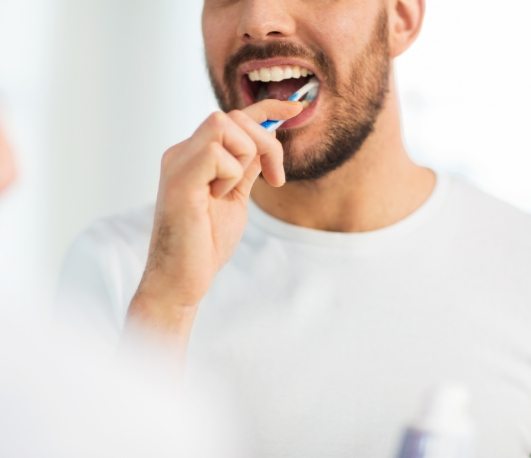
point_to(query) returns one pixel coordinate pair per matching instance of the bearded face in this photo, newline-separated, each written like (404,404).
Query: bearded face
(334,126)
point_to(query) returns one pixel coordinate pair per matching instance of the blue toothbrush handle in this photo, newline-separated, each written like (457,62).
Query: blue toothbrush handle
(269,123)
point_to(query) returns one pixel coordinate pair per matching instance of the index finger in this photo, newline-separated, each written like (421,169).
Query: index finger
(281,110)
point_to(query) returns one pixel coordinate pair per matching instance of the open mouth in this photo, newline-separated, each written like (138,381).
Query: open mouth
(276,82)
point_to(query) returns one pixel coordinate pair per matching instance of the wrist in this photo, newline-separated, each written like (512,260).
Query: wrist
(165,326)
(167,289)
(161,305)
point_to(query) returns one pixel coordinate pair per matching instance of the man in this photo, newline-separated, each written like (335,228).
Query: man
(58,399)
(327,277)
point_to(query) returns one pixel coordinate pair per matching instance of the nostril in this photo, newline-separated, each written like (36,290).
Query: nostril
(248,36)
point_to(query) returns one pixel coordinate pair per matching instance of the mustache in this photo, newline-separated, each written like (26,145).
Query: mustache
(250,52)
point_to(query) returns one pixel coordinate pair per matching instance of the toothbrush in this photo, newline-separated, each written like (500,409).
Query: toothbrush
(310,89)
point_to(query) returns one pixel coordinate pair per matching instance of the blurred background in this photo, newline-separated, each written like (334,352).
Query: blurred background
(93,92)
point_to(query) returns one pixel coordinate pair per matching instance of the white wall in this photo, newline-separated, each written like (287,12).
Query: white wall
(128,83)
(25,228)
(95,91)
(466,94)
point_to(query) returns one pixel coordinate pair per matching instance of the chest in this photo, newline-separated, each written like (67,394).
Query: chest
(340,352)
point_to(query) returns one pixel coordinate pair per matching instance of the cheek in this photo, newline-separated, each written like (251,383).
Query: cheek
(344,32)
(213,48)
(219,39)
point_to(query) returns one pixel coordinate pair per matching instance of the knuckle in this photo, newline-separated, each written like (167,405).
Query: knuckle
(251,149)
(167,158)
(237,115)
(248,148)
(217,120)
(173,156)
(274,146)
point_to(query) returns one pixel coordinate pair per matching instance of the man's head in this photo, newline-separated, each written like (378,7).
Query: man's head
(7,168)
(347,44)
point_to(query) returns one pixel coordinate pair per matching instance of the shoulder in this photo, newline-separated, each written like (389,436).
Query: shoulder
(114,247)
(485,213)
(122,235)
(103,265)
(130,228)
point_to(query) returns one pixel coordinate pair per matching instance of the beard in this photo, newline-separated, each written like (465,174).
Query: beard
(355,105)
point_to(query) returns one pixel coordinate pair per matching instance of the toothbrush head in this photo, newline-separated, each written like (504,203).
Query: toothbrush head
(311,86)
(312,94)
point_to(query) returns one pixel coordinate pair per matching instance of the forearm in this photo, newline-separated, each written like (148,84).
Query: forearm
(164,320)
(201,214)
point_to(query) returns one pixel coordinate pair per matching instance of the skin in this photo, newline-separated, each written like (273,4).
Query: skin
(207,180)
(7,165)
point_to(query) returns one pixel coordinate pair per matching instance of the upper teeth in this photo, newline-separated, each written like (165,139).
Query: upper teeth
(278,73)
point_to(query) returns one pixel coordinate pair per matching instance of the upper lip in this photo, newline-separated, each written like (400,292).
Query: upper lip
(252,65)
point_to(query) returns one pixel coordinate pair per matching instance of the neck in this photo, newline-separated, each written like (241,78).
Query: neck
(378,187)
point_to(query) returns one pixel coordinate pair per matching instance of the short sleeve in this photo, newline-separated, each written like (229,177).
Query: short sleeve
(90,285)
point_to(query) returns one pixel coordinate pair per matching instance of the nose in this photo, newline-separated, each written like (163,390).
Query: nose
(265,20)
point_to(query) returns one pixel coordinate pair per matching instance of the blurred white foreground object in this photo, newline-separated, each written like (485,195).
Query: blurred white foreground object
(61,397)
(444,430)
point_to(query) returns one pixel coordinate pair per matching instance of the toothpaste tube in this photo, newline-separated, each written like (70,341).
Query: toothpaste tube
(444,430)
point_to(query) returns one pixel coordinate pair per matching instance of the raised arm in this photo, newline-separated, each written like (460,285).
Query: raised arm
(201,213)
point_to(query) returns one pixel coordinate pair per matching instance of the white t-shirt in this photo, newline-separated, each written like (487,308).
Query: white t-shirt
(329,341)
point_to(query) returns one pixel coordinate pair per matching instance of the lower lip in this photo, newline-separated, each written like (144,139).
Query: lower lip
(305,117)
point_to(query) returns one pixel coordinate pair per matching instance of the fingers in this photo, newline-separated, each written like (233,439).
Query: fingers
(273,109)
(220,128)
(228,151)
(229,171)
(268,148)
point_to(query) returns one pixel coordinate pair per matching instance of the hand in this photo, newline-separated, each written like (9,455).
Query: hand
(201,207)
